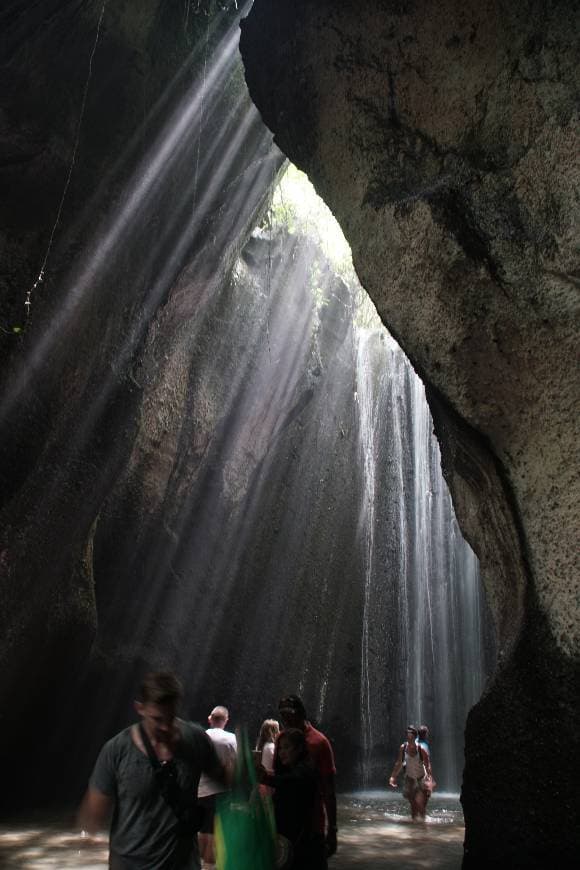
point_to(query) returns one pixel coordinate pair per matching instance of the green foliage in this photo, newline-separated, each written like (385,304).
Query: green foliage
(11,330)
(297,209)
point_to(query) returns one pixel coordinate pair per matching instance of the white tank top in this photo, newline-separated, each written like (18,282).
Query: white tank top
(414,767)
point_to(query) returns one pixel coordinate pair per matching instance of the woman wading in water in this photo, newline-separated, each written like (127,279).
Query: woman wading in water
(419,781)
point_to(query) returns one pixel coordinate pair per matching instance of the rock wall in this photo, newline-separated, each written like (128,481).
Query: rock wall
(445,140)
(133,168)
(133,172)
(241,543)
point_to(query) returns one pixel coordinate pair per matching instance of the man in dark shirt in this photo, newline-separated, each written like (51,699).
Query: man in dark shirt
(152,827)
(293,715)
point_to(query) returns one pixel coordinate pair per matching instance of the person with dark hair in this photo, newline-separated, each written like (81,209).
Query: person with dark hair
(293,715)
(295,787)
(423,743)
(147,776)
(417,765)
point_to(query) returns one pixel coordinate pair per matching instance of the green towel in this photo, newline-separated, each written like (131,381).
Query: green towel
(245,834)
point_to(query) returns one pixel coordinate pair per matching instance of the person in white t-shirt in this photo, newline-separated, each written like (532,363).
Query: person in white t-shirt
(225,745)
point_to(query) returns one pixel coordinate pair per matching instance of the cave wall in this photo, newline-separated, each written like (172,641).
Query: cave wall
(227,550)
(445,146)
(126,497)
(128,150)
(445,140)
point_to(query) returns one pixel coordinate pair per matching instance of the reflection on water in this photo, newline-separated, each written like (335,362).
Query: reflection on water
(375,826)
(376,831)
(50,843)
(379,805)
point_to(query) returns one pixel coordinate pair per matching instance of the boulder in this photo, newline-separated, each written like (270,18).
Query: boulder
(444,137)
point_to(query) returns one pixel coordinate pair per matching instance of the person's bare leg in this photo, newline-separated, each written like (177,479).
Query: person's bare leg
(208,854)
(421,804)
(203,840)
(414,807)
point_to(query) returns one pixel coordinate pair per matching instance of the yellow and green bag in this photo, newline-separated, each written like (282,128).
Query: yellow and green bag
(245,834)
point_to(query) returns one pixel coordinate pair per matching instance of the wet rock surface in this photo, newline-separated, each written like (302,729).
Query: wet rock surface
(191,495)
(447,151)
(115,184)
(445,144)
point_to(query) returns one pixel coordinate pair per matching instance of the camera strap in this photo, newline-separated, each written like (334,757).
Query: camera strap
(155,763)
(158,768)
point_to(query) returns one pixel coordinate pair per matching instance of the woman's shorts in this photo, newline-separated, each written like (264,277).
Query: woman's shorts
(412,787)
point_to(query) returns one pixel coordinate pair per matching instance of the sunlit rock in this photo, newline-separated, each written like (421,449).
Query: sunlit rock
(444,137)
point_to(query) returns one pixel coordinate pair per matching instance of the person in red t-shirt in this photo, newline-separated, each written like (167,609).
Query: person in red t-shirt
(293,715)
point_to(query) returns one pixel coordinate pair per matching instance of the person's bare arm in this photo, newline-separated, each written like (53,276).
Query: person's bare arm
(426,758)
(329,798)
(94,811)
(396,769)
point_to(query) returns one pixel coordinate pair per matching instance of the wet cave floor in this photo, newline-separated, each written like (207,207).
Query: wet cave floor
(375,831)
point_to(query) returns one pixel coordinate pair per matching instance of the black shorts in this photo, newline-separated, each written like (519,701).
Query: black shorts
(206,813)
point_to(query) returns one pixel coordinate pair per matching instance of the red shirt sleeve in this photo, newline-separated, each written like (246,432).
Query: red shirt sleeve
(320,751)
(326,760)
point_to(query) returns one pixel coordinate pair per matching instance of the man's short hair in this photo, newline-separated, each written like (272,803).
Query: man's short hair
(160,687)
(292,702)
(220,714)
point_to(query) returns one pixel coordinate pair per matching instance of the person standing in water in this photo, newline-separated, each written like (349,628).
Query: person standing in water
(266,746)
(293,715)
(423,738)
(146,778)
(295,784)
(266,743)
(423,743)
(417,773)
(225,745)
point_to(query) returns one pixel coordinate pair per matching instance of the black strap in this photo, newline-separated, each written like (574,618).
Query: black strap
(170,792)
(182,804)
(155,763)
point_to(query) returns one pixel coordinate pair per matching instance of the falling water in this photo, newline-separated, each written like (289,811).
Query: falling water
(429,665)
(368,409)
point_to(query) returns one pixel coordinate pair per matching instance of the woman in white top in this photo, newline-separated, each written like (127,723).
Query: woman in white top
(267,742)
(418,776)
(266,745)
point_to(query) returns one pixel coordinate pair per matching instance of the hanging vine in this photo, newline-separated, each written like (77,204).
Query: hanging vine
(47,253)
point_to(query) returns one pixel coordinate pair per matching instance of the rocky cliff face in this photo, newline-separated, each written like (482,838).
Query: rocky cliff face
(227,549)
(445,141)
(161,397)
(129,151)
(134,170)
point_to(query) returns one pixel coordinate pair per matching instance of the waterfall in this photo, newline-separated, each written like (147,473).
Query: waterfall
(369,446)
(422,650)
